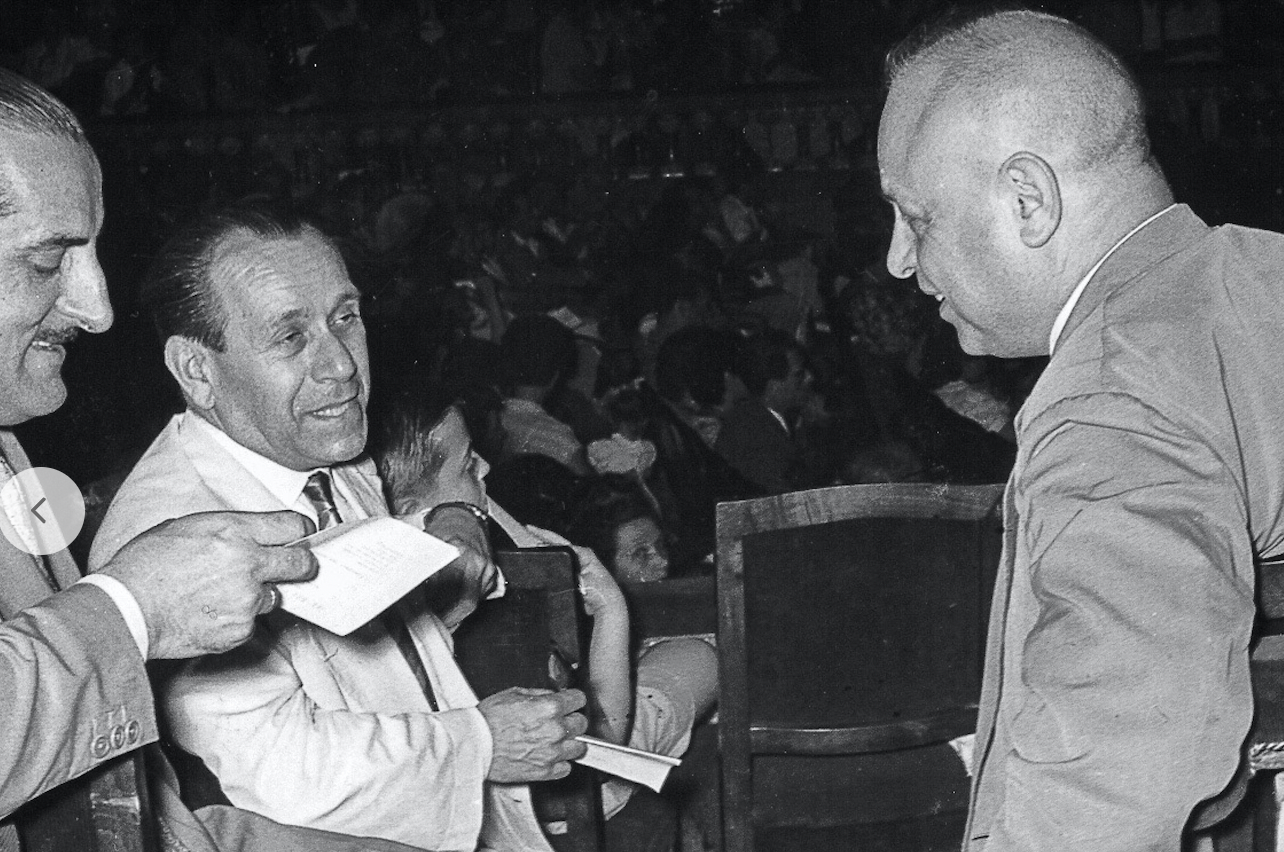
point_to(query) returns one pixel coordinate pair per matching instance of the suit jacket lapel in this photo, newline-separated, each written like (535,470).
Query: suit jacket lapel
(24,583)
(225,477)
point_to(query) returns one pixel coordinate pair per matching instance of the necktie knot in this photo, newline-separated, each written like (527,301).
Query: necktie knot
(317,490)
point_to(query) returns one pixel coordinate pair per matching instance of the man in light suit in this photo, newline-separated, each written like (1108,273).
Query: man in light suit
(375,733)
(72,649)
(1150,464)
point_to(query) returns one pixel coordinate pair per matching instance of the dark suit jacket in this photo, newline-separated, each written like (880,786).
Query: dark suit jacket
(1149,474)
(755,443)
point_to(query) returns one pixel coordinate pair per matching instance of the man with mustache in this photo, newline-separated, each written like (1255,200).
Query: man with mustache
(1149,473)
(73,686)
(376,733)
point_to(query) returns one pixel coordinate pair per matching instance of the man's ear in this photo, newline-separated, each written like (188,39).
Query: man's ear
(190,364)
(1029,187)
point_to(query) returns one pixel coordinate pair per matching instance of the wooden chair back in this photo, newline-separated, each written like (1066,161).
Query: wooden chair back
(851,622)
(105,810)
(509,641)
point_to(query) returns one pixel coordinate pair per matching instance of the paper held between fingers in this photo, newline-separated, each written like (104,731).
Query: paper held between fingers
(364,567)
(631,764)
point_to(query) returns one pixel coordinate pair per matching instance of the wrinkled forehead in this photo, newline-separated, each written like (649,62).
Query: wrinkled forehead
(251,267)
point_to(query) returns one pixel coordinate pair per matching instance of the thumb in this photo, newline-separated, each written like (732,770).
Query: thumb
(282,527)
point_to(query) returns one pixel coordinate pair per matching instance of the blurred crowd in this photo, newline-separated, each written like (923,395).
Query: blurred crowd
(132,57)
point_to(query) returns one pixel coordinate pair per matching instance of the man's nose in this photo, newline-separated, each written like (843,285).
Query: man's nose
(902,253)
(336,361)
(84,298)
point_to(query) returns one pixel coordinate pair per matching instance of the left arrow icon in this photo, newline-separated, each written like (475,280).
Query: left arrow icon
(37,514)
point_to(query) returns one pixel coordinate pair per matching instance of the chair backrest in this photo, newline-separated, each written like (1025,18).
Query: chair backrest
(508,642)
(682,606)
(105,810)
(851,620)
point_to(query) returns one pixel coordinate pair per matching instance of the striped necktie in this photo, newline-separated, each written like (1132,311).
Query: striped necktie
(317,490)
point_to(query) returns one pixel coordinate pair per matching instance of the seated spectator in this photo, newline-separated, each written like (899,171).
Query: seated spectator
(760,436)
(425,458)
(537,355)
(614,518)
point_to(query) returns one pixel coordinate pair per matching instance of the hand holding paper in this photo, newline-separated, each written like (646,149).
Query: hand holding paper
(365,567)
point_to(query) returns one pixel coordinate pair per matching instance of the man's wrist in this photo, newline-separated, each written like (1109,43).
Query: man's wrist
(125,601)
(458,505)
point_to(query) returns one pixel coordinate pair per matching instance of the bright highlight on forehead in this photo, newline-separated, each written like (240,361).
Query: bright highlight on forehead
(1017,81)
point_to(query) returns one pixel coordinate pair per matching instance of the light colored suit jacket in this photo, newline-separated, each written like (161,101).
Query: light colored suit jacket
(314,729)
(77,695)
(1149,474)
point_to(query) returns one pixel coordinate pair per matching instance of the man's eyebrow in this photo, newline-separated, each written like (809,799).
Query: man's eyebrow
(286,319)
(63,241)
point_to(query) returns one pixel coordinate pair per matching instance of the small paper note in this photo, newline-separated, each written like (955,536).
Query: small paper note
(631,764)
(365,567)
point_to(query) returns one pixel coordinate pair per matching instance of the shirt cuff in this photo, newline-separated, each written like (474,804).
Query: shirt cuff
(128,606)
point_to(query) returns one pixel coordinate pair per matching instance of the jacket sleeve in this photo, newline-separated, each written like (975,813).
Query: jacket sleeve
(1133,625)
(75,693)
(414,778)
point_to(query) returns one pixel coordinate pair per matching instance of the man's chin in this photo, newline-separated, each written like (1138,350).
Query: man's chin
(24,402)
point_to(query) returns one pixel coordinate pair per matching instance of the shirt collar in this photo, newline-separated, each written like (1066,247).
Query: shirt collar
(281,482)
(1064,316)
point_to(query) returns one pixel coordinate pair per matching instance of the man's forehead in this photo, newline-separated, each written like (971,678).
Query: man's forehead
(266,272)
(50,185)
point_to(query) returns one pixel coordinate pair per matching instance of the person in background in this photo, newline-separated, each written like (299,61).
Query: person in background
(426,459)
(760,435)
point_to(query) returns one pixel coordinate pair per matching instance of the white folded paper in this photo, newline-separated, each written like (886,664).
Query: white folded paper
(631,764)
(365,567)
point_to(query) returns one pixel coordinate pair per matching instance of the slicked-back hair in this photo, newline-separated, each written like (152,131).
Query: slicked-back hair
(178,290)
(24,106)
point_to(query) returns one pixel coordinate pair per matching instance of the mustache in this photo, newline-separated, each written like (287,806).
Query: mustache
(57,336)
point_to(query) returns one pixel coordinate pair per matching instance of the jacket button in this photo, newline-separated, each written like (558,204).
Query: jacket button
(133,732)
(100,747)
(117,737)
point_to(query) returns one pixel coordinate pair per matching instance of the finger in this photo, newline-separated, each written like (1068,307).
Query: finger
(570,700)
(287,564)
(575,724)
(559,770)
(280,527)
(575,749)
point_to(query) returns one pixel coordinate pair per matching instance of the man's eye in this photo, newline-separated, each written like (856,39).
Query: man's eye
(47,263)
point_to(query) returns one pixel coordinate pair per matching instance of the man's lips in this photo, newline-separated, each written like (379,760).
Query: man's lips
(54,340)
(339,409)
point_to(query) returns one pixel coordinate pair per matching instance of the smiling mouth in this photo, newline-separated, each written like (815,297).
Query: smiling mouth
(334,411)
(54,341)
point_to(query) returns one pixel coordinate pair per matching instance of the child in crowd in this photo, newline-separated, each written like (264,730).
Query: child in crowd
(426,458)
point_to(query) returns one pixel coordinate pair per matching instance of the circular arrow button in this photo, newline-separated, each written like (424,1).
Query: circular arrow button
(43,511)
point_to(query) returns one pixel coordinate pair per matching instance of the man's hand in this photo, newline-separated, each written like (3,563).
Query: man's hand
(200,580)
(454,592)
(534,733)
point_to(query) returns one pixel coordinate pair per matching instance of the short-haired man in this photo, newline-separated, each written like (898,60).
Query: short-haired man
(72,681)
(1150,466)
(758,436)
(376,733)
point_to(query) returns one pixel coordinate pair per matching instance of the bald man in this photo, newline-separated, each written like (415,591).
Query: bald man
(1150,467)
